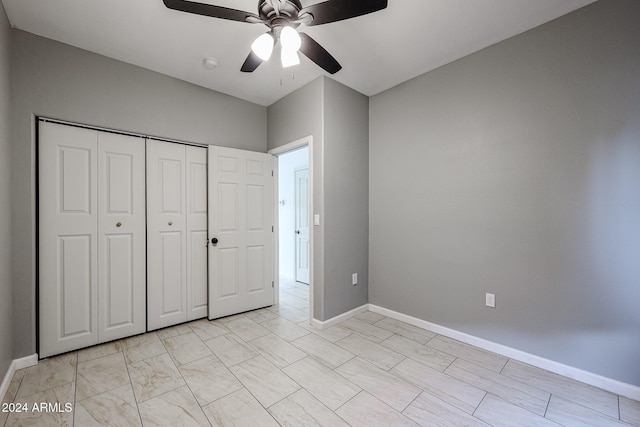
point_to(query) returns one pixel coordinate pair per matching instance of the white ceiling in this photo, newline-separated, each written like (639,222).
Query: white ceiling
(377,51)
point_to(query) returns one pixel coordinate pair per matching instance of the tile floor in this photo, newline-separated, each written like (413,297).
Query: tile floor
(269,367)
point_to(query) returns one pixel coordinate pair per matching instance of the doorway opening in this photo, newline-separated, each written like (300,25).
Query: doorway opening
(294,248)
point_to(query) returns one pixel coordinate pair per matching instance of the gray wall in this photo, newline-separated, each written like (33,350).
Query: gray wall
(337,118)
(516,171)
(6,337)
(56,80)
(293,117)
(346,200)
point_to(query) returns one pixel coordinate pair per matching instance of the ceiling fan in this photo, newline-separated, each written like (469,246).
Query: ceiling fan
(283,17)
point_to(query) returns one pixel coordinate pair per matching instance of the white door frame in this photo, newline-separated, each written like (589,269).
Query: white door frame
(300,143)
(296,246)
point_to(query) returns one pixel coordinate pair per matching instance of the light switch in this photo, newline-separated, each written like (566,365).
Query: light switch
(490,300)
(316,219)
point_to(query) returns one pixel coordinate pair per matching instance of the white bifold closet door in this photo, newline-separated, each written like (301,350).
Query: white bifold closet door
(176,233)
(91,237)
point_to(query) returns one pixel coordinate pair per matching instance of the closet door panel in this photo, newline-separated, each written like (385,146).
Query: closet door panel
(122,219)
(197,241)
(67,238)
(241,219)
(166,235)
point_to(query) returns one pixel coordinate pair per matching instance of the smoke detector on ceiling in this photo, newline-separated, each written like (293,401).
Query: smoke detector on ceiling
(210,63)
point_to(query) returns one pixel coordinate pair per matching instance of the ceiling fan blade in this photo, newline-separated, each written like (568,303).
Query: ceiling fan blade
(252,62)
(312,50)
(337,10)
(211,10)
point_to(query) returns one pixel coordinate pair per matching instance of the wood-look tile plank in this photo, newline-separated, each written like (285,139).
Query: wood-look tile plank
(406,330)
(285,329)
(486,359)
(506,388)
(630,411)
(380,356)
(323,350)
(331,334)
(499,413)
(174,408)
(209,379)
(61,396)
(261,315)
(154,376)
(451,390)
(324,384)
(246,329)
(364,410)
(390,389)
(186,348)
(277,351)
(568,413)
(583,394)
(239,409)
(207,329)
(427,410)
(365,329)
(49,373)
(370,317)
(301,409)
(173,331)
(419,352)
(291,314)
(116,407)
(9,396)
(99,375)
(100,350)
(142,347)
(265,381)
(230,349)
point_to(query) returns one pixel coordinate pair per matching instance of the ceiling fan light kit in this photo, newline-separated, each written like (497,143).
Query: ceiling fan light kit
(289,58)
(283,17)
(263,46)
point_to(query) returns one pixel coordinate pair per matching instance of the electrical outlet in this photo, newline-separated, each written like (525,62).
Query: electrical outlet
(354,279)
(490,300)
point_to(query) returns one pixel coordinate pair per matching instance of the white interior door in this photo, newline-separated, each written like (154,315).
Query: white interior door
(121,236)
(166,235)
(302,225)
(68,238)
(240,231)
(197,237)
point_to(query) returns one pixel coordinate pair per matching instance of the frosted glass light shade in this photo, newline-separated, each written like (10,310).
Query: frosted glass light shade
(289,58)
(263,46)
(290,39)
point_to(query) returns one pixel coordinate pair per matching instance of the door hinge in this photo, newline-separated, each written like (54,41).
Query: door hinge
(272,285)
(272,229)
(271,173)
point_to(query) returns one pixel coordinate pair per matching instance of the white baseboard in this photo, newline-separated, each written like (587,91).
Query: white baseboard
(16,364)
(608,384)
(318,324)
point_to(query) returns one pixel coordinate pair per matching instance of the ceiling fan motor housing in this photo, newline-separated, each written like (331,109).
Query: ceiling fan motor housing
(277,13)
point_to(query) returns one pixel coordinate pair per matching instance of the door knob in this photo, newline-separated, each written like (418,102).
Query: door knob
(214,241)
(297,231)
(118,224)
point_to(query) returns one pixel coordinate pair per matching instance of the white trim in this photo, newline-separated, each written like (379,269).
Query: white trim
(16,364)
(608,384)
(307,141)
(318,324)
(119,132)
